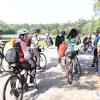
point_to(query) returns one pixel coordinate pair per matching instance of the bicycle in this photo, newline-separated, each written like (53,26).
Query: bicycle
(43,60)
(73,69)
(16,84)
(18,81)
(86,47)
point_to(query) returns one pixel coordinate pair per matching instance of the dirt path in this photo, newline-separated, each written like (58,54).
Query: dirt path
(52,84)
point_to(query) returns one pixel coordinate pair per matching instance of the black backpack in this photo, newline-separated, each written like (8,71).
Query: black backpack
(59,40)
(12,56)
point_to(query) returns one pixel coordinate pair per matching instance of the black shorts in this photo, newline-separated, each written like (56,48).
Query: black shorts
(26,65)
(95,52)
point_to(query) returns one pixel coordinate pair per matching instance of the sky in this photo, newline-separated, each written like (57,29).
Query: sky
(45,11)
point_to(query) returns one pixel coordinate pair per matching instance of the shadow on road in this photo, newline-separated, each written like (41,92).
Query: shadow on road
(52,63)
(52,80)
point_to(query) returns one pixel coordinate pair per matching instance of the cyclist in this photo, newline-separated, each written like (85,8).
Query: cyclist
(26,61)
(98,53)
(59,38)
(49,41)
(85,41)
(35,45)
(97,37)
(71,42)
(61,46)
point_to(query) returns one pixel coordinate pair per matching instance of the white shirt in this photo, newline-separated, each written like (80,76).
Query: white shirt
(34,41)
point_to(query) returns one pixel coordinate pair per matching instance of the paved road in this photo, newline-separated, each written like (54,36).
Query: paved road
(52,84)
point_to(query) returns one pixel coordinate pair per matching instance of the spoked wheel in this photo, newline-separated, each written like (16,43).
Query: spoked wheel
(5,66)
(13,89)
(70,77)
(90,48)
(70,74)
(43,61)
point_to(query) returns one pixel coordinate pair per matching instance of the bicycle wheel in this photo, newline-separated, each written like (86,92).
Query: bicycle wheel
(13,89)
(43,61)
(70,74)
(5,66)
(90,48)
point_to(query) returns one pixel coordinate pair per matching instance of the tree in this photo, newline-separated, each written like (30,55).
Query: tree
(97,7)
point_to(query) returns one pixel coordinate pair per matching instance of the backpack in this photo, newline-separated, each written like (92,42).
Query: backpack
(8,45)
(59,40)
(62,49)
(12,56)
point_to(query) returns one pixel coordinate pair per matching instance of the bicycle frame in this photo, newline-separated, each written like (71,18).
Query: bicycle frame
(73,69)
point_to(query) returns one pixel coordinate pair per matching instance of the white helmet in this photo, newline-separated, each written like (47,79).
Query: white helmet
(22,31)
(47,34)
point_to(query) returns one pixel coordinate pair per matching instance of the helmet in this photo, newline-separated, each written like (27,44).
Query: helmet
(22,32)
(47,34)
(36,31)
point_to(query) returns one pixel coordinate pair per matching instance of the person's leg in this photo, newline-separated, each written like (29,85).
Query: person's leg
(33,71)
(37,54)
(27,65)
(59,59)
(94,57)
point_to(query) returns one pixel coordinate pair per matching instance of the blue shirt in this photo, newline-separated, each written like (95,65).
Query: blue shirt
(96,40)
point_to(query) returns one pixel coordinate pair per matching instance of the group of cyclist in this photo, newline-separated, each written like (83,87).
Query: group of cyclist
(72,40)
(25,45)
(65,47)
(93,39)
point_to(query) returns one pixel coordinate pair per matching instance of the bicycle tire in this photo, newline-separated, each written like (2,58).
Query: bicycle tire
(90,46)
(13,91)
(70,74)
(43,57)
(34,77)
(7,68)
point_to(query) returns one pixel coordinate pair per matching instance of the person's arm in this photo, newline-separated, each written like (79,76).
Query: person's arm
(98,48)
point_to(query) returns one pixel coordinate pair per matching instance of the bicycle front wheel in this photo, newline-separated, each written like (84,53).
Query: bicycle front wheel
(90,48)
(43,61)
(13,89)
